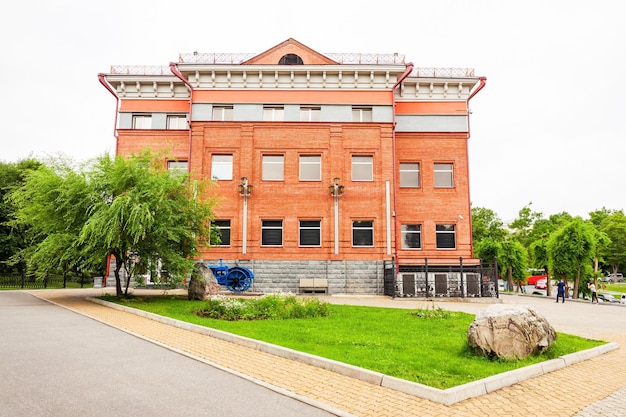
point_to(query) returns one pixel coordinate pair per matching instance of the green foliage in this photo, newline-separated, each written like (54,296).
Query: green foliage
(486,225)
(269,307)
(613,225)
(132,208)
(425,346)
(514,259)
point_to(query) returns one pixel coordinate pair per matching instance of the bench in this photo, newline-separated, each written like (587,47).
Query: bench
(313,285)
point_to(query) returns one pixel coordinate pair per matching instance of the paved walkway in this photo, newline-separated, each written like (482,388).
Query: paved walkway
(594,387)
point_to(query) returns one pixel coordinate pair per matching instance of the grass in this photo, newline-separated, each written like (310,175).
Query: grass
(424,346)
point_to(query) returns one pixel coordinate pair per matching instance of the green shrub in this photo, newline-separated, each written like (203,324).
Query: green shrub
(269,307)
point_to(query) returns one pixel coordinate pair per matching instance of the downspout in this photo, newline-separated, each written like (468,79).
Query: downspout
(483,81)
(103,80)
(177,73)
(406,73)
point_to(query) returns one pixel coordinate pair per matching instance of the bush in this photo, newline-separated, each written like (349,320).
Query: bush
(269,307)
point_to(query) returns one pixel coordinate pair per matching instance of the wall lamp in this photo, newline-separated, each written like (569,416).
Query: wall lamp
(244,188)
(336,190)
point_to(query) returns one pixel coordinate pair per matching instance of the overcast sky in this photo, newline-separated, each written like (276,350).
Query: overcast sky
(549,127)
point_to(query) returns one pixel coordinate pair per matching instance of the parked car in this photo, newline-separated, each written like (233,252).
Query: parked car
(608,298)
(611,278)
(542,284)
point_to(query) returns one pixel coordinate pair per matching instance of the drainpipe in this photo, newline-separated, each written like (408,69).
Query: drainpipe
(409,69)
(483,81)
(103,80)
(177,73)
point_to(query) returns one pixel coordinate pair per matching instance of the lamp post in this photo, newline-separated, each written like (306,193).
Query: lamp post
(244,190)
(336,191)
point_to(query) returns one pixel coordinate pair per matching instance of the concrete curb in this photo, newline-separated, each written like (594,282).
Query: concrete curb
(448,396)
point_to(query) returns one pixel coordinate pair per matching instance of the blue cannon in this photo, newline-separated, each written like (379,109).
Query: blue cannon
(236,279)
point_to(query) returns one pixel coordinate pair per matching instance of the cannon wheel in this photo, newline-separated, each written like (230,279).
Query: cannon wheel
(238,279)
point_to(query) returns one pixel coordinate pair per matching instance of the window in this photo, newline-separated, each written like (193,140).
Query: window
(363,233)
(409,175)
(273,113)
(310,233)
(310,168)
(411,236)
(272,233)
(443,176)
(310,114)
(142,121)
(273,167)
(290,59)
(361,114)
(177,166)
(222,167)
(222,113)
(224,230)
(176,121)
(362,168)
(446,236)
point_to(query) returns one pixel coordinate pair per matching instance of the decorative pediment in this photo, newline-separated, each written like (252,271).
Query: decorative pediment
(290,52)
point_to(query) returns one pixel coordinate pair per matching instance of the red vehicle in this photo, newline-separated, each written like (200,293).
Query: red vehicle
(542,284)
(536,275)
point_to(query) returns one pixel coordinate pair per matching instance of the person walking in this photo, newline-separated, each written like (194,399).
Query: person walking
(594,294)
(560,290)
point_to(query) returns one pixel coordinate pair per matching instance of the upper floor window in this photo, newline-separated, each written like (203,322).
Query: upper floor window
(271,233)
(176,121)
(290,59)
(177,166)
(446,236)
(310,168)
(223,227)
(222,167)
(444,177)
(409,174)
(310,114)
(273,168)
(310,233)
(361,114)
(222,113)
(362,168)
(273,113)
(363,233)
(142,121)
(411,236)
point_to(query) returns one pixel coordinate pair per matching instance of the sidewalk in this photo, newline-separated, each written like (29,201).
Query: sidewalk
(592,387)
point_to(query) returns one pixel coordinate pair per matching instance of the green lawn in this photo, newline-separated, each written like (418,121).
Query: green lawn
(425,346)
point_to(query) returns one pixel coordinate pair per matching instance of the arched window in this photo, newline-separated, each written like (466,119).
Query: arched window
(290,59)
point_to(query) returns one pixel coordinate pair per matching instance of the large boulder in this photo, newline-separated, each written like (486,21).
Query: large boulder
(202,283)
(510,332)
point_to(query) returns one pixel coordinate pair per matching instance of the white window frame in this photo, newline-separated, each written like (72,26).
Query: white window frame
(310,113)
(142,121)
(310,167)
(443,175)
(222,167)
(361,226)
(442,231)
(176,122)
(406,233)
(223,113)
(271,164)
(361,114)
(270,225)
(273,113)
(178,166)
(305,226)
(360,163)
(223,224)
(410,174)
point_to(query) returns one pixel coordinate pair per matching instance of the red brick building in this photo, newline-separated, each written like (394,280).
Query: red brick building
(333,167)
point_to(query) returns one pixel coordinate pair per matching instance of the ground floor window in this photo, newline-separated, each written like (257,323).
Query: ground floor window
(310,233)
(224,230)
(271,233)
(363,233)
(411,236)
(446,236)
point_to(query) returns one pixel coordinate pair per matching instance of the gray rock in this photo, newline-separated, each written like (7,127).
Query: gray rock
(510,332)
(202,283)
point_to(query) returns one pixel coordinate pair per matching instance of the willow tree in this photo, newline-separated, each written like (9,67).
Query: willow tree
(514,259)
(133,209)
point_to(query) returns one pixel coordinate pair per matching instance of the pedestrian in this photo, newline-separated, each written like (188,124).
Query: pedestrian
(561,290)
(594,295)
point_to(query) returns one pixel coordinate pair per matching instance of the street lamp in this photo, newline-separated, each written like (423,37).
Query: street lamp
(244,188)
(336,190)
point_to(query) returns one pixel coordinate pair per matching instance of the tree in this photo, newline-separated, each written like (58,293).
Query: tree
(133,209)
(614,227)
(12,237)
(514,260)
(486,224)
(523,226)
(570,250)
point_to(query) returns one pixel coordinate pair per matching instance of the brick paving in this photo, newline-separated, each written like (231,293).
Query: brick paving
(594,387)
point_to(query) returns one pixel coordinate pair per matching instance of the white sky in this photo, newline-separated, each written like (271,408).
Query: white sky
(549,126)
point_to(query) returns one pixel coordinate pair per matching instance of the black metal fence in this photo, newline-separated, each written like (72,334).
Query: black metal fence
(431,281)
(20,281)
